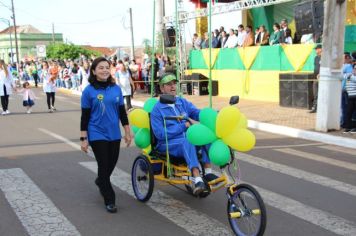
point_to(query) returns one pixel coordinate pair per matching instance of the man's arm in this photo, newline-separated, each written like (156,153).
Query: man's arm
(174,128)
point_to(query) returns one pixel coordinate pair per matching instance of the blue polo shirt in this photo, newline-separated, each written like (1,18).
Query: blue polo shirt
(104,112)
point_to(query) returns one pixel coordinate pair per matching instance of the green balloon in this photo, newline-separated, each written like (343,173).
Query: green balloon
(149,104)
(135,129)
(199,135)
(142,138)
(219,153)
(207,117)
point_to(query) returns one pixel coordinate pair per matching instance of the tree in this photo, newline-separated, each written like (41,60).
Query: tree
(147,46)
(68,51)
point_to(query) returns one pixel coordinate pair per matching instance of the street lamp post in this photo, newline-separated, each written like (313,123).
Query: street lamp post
(8,23)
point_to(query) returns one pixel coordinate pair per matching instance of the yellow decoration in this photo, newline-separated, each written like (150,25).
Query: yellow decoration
(227,121)
(248,55)
(139,118)
(214,55)
(350,18)
(147,150)
(298,54)
(242,140)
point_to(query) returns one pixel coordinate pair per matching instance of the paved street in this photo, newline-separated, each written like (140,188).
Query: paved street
(47,184)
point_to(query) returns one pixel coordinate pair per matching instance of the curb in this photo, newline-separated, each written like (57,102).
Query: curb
(278,129)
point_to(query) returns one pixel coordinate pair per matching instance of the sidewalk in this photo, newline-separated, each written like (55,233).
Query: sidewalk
(268,117)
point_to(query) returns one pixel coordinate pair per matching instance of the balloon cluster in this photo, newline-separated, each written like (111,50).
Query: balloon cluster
(140,124)
(222,130)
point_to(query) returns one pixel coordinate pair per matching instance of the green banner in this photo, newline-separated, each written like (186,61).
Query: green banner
(229,58)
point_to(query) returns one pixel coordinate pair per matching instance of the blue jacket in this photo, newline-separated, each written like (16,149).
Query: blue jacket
(175,129)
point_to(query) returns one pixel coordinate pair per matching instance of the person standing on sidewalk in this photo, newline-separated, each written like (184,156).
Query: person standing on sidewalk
(351,102)
(102,109)
(317,58)
(6,86)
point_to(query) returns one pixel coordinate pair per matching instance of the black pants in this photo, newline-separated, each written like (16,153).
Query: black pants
(351,108)
(315,93)
(128,102)
(106,154)
(5,100)
(50,99)
(35,77)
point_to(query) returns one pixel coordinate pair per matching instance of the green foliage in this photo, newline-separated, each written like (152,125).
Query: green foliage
(68,51)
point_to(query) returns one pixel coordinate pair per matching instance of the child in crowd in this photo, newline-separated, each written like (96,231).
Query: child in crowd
(28,96)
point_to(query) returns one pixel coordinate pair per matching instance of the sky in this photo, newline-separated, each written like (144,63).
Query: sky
(99,23)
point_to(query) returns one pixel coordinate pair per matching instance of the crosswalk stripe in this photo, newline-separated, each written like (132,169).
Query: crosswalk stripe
(339,149)
(194,222)
(36,212)
(286,146)
(315,157)
(300,174)
(332,223)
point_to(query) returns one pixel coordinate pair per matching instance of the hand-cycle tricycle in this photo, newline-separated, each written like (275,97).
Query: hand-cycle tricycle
(246,210)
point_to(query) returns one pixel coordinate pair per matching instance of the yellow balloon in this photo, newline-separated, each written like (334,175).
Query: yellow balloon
(242,122)
(242,140)
(147,149)
(139,118)
(227,120)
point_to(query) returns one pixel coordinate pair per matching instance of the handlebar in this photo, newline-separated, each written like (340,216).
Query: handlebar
(176,118)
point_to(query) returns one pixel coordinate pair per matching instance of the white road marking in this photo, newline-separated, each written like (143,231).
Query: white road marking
(332,223)
(36,212)
(339,149)
(315,157)
(192,221)
(61,138)
(299,174)
(285,146)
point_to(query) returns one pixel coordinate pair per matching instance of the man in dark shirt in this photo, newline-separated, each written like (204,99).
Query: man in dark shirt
(317,58)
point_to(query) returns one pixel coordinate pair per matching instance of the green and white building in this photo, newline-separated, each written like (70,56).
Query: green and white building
(29,40)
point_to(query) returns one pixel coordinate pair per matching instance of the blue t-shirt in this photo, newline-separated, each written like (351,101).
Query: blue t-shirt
(104,112)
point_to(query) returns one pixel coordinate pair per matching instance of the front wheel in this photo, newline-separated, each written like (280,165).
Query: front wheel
(246,211)
(142,178)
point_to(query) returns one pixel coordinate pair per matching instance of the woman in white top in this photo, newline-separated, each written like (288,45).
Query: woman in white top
(49,85)
(6,86)
(124,80)
(288,37)
(84,75)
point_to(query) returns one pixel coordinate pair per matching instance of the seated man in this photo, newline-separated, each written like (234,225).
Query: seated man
(178,145)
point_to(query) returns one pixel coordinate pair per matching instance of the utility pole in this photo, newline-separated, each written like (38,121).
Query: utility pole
(163,27)
(132,36)
(14,20)
(329,95)
(159,23)
(53,39)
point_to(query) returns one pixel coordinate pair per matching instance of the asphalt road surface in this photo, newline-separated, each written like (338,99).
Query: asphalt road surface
(47,185)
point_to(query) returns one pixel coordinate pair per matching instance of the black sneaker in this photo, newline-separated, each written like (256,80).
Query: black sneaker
(210,177)
(312,111)
(353,131)
(346,131)
(111,208)
(199,187)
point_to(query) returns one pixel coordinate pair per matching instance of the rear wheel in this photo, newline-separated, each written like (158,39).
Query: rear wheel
(246,211)
(142,178)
